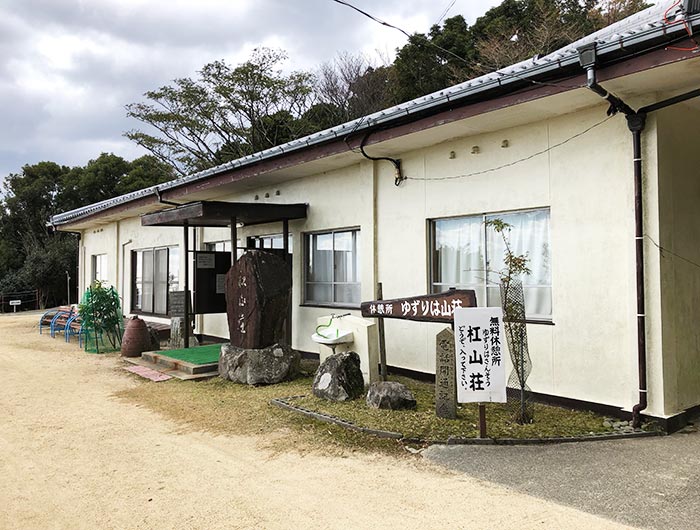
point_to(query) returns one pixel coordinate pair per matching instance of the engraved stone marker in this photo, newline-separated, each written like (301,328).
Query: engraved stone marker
(445,382)
(258,294)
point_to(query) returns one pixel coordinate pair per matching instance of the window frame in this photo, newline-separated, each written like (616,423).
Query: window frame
(95,259)
(305,269)
(432,250)
(168,282)
(258,242)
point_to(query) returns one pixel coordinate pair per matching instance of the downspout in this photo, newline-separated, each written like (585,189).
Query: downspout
(161,200)
(398,175)
(635,122)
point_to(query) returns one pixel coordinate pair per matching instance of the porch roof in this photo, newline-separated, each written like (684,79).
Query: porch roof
(220,214)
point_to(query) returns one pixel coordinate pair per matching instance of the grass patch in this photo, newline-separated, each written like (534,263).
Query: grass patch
(208,354)
(223,407)
(422,423)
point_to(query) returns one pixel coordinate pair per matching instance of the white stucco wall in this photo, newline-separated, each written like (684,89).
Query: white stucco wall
(118,240)
(679,265)
(587,184)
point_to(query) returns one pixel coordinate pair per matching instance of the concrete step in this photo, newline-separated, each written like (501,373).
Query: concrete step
(175,372)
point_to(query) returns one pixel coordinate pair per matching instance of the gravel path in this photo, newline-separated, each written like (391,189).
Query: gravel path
(72,456)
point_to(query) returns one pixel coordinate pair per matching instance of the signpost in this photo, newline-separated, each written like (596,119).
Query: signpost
(15,303)
(439,307)
(426,308)
(480,363)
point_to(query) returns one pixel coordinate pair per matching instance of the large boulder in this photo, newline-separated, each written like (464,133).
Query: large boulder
(265,366)
(390,395)
(339,377)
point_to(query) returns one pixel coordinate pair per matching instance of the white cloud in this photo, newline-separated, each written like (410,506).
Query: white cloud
(68,67)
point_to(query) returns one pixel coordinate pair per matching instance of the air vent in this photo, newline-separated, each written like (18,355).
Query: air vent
(691,7)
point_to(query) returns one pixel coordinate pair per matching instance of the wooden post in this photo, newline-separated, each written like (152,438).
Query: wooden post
(382,340)
(234,240)
(186,323)
(288,261)
(482,420)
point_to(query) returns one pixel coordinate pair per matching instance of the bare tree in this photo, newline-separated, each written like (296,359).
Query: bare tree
(352,85)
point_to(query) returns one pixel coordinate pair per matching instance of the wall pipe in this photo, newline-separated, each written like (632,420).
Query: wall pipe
(635,123)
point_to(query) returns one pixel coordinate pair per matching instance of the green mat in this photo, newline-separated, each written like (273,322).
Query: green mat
(200,355)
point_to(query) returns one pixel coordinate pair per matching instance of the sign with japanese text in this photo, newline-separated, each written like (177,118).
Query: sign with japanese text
(427,308)
(206,260)
(480,355)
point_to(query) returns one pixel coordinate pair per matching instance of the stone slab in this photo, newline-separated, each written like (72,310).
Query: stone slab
(445,375)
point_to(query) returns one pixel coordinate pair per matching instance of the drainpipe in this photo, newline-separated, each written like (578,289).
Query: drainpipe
(635,122)
(161,200)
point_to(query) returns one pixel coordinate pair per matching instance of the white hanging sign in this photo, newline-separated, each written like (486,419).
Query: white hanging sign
(206,260)
(480,354)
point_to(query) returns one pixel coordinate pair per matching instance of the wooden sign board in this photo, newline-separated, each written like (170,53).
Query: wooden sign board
(176,304)
(426,308)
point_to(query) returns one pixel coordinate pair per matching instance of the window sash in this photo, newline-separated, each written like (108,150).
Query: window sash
(332,268)
(224,246)
(100,267)
(463,250)
(156,273)
(273,241)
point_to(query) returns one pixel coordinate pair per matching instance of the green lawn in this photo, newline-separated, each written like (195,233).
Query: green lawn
(199,355)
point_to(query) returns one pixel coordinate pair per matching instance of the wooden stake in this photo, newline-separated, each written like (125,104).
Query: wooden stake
(382,341)
(482,420)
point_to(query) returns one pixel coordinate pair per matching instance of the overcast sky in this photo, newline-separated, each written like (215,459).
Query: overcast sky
(68,67)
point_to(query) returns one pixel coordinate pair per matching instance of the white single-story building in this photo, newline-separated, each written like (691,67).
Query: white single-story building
(531,144)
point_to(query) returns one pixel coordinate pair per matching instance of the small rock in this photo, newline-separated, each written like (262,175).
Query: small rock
(339,377)
(390,395)
(607,424)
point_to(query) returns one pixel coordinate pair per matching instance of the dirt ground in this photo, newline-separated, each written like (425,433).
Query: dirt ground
(74,456)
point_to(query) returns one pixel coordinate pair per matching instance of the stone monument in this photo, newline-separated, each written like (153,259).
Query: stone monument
(258,294)
(445,378)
